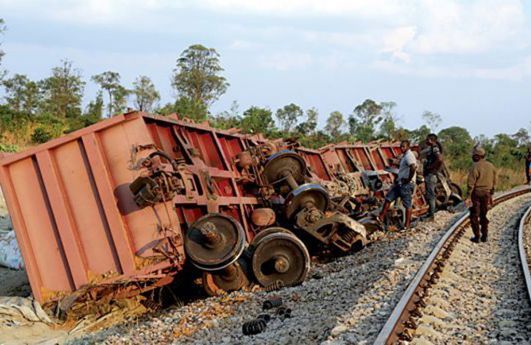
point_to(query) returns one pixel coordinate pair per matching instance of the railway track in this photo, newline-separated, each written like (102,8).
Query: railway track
(403,322)
(523,252)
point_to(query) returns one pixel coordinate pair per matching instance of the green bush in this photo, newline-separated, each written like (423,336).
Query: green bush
(41,135)
(8,148)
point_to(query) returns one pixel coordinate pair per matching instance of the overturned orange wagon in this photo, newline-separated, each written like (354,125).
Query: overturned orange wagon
(76,218)
(120,207)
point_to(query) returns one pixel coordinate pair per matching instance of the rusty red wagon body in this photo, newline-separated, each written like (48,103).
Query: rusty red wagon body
(136,197)
(75,218)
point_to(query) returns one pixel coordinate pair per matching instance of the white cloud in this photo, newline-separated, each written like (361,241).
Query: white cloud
(413,33)
(396,40)
(464,27)
(438,27)
(362,8)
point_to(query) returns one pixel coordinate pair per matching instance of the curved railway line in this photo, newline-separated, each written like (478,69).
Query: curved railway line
(524,251)
(405,318)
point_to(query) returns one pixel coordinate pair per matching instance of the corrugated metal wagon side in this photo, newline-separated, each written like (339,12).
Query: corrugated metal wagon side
(74,217)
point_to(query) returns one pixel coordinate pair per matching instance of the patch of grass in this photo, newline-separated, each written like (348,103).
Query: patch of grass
(507,178)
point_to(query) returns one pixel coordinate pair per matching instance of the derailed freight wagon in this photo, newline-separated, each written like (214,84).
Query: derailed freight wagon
(118,208)
(78,223)
(121,207)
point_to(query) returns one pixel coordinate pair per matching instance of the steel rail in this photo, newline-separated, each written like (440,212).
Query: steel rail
(401,320)
(521,249)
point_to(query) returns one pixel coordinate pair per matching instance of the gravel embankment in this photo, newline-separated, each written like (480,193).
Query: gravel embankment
(481,297)
(344,301)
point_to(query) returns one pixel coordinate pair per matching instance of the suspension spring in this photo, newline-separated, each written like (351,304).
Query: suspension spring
(254,327)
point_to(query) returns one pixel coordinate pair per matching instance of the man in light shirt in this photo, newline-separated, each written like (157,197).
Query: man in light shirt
(403,187)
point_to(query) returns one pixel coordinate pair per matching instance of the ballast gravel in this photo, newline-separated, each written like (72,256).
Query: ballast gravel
(345,301)
(481,297)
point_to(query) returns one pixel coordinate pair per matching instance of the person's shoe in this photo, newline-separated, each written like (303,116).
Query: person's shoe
(483,238)
(475,239)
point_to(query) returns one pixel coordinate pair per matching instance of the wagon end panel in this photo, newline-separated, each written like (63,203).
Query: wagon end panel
(74,216)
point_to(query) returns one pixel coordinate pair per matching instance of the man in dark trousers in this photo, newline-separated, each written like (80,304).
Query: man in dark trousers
(528,164)
(481,186)
(404,184)
(432,166)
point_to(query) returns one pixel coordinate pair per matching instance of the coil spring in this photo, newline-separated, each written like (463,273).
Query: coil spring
(272,303)
(349,235)
(274,286)
(254,327)
(151,304)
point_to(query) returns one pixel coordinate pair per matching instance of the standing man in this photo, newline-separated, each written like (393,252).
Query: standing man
(404,184)
(432,166)
(481,186)
(528,164)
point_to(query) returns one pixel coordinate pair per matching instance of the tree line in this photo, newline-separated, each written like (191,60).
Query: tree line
(35,111)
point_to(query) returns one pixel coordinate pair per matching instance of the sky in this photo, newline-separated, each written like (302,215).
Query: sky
(469,61)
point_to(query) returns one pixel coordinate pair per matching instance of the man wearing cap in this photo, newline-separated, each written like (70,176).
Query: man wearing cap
(481,185)
(528,164)
(404,184)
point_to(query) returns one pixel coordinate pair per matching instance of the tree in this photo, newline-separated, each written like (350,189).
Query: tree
(334,124)
(63,91)
(110,82)
(433,120)
(21,94)
(95,107)
(227,119)
(119,104)
(505,151)
(365,119)
(308,127)
(288,116)
(522,137)
(145,93)
(389,128)
(195,110)
(457,144)
(417,135)
(197,76)
(258,120)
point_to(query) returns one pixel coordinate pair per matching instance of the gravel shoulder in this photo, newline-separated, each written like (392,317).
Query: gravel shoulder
(481,297)
(346,300)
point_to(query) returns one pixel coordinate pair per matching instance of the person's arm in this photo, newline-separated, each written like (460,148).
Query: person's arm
(471,181)
(437,163)
(412,170)
(412,164)
(494,181)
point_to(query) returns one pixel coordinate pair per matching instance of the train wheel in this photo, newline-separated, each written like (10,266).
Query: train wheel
(264,233)
(310,194)
(214,242)
(280,257)
(231,278)
(283,166)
